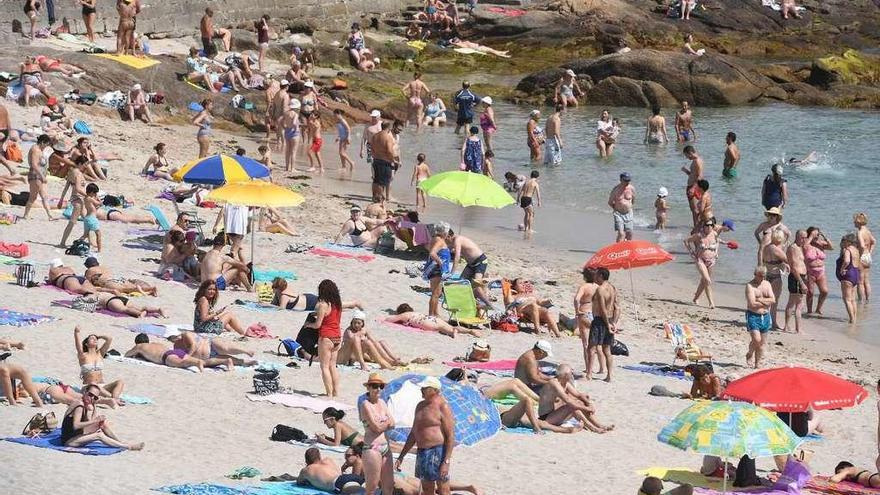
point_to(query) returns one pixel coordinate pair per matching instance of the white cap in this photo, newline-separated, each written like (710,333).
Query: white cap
(662,192)
(376,60)
(55,263)
(376,113)
(358,315)
(285,82)
(544,346)
(570,72)
(136,87)
(295,104)
(535,112)
(309,84)
(487,100)
(430,382)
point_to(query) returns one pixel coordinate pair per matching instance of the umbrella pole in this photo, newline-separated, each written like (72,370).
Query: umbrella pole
(632,286)
(724,480)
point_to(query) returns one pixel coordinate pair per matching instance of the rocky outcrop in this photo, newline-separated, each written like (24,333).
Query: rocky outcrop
(535,23)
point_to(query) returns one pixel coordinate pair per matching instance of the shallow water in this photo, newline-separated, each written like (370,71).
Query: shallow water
(824,194)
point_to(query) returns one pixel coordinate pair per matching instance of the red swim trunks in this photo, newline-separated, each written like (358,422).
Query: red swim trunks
(316,145)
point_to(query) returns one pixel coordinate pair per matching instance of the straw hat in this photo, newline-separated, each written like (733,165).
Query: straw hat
(773,211)
(375,378)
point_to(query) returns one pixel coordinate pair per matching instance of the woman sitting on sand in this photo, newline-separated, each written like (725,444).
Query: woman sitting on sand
(31,78)
(529,307)
(343,433)
(435,111)
(208,320)
(91,363)
(405,315)
(358,345)
(706,385)
(81,426)
(271,221)
(361,230)
(158,162)
(291,300)
(124,306)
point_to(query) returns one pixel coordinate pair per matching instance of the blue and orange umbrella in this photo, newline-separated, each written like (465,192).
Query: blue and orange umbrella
(220,169)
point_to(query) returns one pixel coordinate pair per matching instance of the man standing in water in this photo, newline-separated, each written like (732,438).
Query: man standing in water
(433,432)
(464,103)
(382,145)
(695,174)
(684,124)
(604,324)
(731,156)
(413,92)
(553,133)
(621,202)
(524,198)
(374,127)
(759,298)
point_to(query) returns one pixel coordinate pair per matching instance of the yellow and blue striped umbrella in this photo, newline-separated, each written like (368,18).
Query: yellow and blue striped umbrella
(220,169)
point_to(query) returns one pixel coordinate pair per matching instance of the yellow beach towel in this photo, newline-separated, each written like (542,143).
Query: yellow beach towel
(417,44)
(130,60)
(685,475)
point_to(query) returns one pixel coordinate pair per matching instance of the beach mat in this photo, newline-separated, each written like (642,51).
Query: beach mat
(299,401)
(284,488)
(657,371)
(821,484)
(269,275)
(16,319)
(68,303)
(340,253)
(751,491)
(158,330)
(256,306)
(686,475)
(129,60)
(52,440)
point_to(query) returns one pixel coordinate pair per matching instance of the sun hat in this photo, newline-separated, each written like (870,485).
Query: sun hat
(355,208)
(285,82)
(430,382)
(295,104)
(375,378)
(376,113)
(56,262)
(663,192)
(358,315)
(309,84)
(487,100)
(729,224)
(136,87)
(535,112)
(570,72)
(544,346)
(773,211)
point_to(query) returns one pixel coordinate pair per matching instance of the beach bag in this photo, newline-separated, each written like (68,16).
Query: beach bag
(794,476)
(79,247)
(8,218)
(84,304)
(480,351)
(266,382)
(284,433)
(13,152)
(81,127)
(385,243)
(618,348)
(40,423)
(288,347)
(88,98)
(24,275)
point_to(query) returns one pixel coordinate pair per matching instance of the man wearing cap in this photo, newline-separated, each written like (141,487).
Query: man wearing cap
(137,104)
(382,145)
(621,202)
(553,135)
(464,102)
(413,92)
(606,313)
(433,432)
(289,126)
(370,130)
(567,89)
(527,369)
(695,174)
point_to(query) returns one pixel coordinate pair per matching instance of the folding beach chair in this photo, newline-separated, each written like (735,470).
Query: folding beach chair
(682,338)
(510,305)
(163,222)
(459,301)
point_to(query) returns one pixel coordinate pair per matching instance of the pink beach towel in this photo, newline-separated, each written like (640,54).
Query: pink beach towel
(507,12)
(320,251)
(821,484)
(749,491)
(68,303)
(314,404)
(499,365)
(259,331)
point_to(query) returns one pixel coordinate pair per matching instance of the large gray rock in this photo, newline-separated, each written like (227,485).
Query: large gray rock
(623,91)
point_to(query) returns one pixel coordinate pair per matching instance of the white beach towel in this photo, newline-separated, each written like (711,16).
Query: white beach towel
(315,404)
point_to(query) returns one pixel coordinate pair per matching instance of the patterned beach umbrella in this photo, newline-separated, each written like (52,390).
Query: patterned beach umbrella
(793,389)
(476,418)
(220,169)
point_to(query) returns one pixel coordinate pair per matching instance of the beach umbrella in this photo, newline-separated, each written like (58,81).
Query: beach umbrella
(256,193)
(466,189)
(626,255)
(729,430)
(793,389)
(476,417)
(220,169)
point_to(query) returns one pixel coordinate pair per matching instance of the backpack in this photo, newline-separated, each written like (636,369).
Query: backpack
(290,348)
(307,338)
(284,433)
(82,127)
(79,247)
(618,348)
(88,98)
(13,152)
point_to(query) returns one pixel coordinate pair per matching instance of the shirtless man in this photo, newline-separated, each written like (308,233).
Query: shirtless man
(206,27)
(320,473)
(179,257)
(553,136)
(289,124)
(559,400)
(655,128)
(5,124)
(527,369)
(382,144)
(223,269)
(789,8)
(525,199)
(128,10)
(280,104)
(759,298)
(621,200)
(694,173)
(101,277)
(606,313)
(370,130)
(797,280)
(214,352)
(684,124)
(413,92)
(433,432)
(476,263)
(583,310)
(731,156)
(158,354)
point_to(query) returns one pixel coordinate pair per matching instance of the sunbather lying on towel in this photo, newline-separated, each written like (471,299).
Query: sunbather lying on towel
(406,316)
(82,426)
(358,345)
(530,307)
(174,358)
(59,393)
(64,278)
(845,471)
(208,349)
(460,43)
(289,299)
(101,277)
(11,372)
(324,474)
(124,305)
(8,345)
(114,215)
(48,64)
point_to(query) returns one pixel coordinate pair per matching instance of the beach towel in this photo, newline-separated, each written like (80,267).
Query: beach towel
(9,260)
(139,362)
(256,306)
(299,401)
(158,330)
(685,475)
(16,319)
(752,491)
(338,253)
(508,400)
(821,484)
(52,440)
(507,12)
(269,275)
(418,45)
(194,106)
(499,365)
(658,370)
(399,326)
(129,60)
(259,331)
(68,303)
(285,488)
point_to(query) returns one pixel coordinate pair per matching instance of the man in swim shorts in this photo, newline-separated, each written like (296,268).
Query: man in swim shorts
(223,270)
(382,144)
(684,124)
(621,200)
(695,174)
(433,432)
(553,136)
(464,102)
(373,128)
(206,28)
(759,298)
(731,156)
(156,353)
(477,263)
(324,473)
(527,369)
(606,313)
(526,193)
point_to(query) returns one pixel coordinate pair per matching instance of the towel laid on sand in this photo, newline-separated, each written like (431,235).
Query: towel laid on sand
(159,330)
(285,488)
(269,275)
(256,306)
(52,440)
(340,253)
(139,362)
(130,60)
(16,319)
(498,365)
(68,303)
(658,371)
(751,491)
(299,401)
(821,484)
(684,475)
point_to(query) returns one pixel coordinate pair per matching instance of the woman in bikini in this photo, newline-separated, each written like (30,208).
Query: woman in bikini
(101,277)
(123,305)
(328,315)
(208,320)
(774,258)
(56,392)
(848,274)
(82,426)
(866,243)
(291,300)
(703,247)
(65,279)
(203,121)
(487,121)
(377,420)
(49,64)
(31,77)
(360,346)
(158,162)
(343,433)
(32,10)
(529,307)
(406,316)
(814,256)
(845,471)
(360,229)
(89,12)
(91,364)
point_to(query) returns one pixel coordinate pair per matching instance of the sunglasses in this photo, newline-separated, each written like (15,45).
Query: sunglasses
(92,396)
(376,386)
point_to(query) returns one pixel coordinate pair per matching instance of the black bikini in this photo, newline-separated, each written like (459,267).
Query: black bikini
(67,431)
(357,232)
(123,299)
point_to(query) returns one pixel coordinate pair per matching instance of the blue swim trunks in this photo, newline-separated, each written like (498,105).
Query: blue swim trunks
(428,462)
(759,322)
(221,282)
(91,223)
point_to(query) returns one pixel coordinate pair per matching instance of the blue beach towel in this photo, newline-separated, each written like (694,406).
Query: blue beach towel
(16,319)
(130,399)
(53,441)
(655,370)
(269,275)
(286,488)
(256,306)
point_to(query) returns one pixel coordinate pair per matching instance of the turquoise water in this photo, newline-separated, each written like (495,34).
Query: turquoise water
(825,194)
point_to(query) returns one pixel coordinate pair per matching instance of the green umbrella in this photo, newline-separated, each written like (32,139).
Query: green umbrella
(466,189)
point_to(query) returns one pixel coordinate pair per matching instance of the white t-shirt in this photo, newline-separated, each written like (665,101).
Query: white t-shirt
(603,127)
(236,219)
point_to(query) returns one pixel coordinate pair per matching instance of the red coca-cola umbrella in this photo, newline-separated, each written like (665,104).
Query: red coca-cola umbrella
(794,389)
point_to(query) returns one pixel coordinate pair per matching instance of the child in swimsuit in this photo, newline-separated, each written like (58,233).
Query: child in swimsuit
(421,172)
(90,221)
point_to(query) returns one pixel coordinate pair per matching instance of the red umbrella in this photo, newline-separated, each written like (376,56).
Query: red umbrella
(629,254)
(795,389)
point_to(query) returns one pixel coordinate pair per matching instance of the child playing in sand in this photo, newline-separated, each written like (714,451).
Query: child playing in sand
(265,158)
(420,172)
(314,130)
(343,137)
(661,209)
(90,221)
